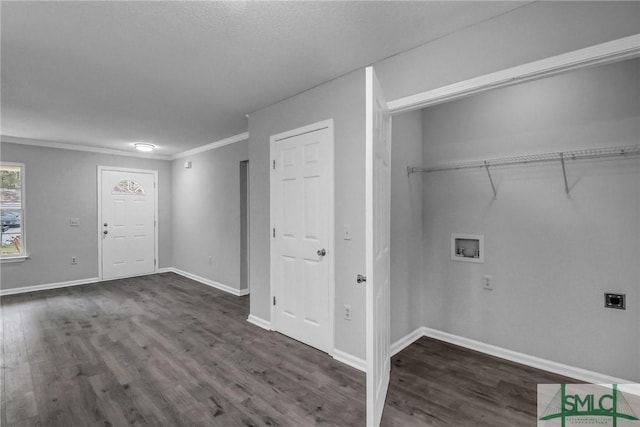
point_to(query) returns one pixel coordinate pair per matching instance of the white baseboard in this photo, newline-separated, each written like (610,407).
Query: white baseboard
(220,286)
(351,360)
(212,283)
(514,356)
(255,320)
(13,291)
(406,341)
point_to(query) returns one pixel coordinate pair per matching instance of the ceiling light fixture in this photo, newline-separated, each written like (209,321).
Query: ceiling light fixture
(142,146)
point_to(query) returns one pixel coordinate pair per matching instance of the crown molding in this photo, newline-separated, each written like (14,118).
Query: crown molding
(65,146)
(221,143)
(75,147)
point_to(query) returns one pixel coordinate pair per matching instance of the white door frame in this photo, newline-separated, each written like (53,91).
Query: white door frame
(600,54)
(330,257)
(155,213)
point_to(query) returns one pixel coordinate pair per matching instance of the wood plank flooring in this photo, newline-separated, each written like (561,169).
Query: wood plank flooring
(163,350)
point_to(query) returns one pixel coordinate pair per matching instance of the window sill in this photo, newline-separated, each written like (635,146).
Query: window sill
(17,258)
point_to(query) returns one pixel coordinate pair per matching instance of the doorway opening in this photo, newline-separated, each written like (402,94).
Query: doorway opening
(127,222)
(302,230)
(244,225)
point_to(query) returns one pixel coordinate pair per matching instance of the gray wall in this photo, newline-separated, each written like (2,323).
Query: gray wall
(532,32)
(62,184)
(206,213)
(552,256)
(342,100)
(406,226)
(535,31)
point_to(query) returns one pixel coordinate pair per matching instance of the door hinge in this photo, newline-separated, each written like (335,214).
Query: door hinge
(360,278)
(274,233)
(155,261)
(154,184)
(274,300)
(274,165)
(154,223)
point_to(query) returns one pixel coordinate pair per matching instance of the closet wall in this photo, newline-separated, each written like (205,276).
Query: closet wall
(406,226)
(551,255)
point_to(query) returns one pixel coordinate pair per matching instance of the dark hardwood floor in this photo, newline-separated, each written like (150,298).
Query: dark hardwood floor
(163,350)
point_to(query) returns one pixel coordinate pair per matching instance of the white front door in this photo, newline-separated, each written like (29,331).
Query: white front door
(127,222)
(301,242)
(378,267)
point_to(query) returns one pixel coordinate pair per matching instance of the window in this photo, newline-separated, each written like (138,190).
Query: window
(12,210)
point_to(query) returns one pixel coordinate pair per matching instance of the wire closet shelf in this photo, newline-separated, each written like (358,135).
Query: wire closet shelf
(562,157)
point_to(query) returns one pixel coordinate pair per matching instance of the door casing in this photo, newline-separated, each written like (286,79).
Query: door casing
(100,220)
(330,257)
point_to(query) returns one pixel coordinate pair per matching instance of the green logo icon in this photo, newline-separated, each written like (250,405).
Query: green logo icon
(612,404)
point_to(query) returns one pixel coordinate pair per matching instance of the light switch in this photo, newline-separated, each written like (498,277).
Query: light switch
(346,233)
(74,222)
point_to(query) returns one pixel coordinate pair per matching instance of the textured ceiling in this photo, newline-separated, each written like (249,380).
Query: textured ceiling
(184,74)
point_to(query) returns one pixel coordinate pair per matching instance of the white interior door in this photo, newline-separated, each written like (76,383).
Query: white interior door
(127,223)
(301,248)
(377,219)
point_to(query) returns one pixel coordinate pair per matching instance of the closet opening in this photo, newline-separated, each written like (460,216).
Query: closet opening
(548,172)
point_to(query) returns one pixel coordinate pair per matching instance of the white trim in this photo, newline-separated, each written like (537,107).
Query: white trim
(350,360)
(156,189)
(330,258)
(16,258)
(259,322)
(212,283)
(324,124)
(514,356)
(76,147)
(605,53)
(14,291)
(221,143)
(165,270)
(406,341)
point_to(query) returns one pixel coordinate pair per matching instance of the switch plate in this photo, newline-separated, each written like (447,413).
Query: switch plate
(487,282)
(612,300)
(346,233)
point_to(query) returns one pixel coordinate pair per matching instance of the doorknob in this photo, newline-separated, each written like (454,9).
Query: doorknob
(105,232)
(321,252)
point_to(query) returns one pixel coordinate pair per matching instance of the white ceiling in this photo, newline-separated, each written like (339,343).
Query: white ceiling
(184,74)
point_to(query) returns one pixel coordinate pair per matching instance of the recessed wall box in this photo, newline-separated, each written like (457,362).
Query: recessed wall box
(614,301)
(467,247)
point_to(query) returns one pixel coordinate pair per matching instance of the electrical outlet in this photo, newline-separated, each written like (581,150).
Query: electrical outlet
(346,232)
(74,260)
(347,312)
(487,282)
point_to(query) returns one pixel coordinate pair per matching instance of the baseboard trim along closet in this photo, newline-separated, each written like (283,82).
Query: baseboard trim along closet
(257,321)
(514,356)
(46,286)
(212,283)
(350,360)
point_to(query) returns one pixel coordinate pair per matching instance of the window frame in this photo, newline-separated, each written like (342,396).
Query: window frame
(24,254)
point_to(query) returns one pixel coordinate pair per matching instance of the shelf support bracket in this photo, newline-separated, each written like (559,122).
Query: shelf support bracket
(564,173)
(493,187)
